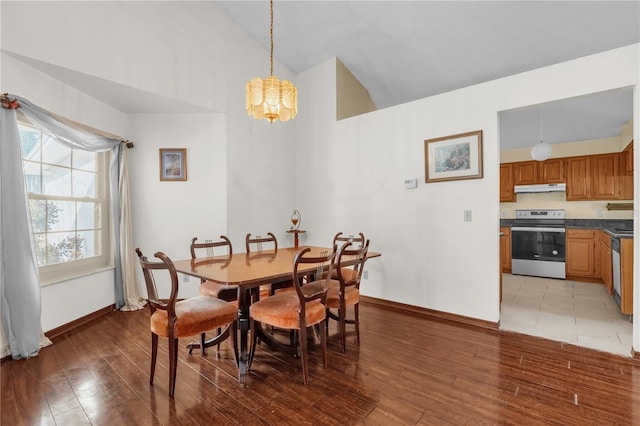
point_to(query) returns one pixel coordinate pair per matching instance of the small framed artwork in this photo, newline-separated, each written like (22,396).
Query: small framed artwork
(453,157)
(173,164)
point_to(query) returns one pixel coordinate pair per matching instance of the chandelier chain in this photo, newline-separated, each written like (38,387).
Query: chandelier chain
(271,36)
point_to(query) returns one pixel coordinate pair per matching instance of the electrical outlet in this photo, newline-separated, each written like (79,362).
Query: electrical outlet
(467,215)
(365,274)
(185,278)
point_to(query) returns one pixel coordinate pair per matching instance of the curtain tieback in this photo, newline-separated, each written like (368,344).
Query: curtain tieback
(8,103)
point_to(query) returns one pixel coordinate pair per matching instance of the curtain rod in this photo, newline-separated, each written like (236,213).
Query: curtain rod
(9,103)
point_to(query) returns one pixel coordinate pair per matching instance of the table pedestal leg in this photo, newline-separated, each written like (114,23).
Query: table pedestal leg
(244,321)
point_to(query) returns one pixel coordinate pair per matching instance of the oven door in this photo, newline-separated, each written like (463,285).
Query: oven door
(538,243)
(538,251)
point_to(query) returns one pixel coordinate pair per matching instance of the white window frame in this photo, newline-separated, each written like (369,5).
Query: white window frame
(50,274)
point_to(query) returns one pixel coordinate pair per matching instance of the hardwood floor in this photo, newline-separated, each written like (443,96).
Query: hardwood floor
(408,369)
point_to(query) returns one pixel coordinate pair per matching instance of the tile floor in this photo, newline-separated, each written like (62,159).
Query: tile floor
(582,314)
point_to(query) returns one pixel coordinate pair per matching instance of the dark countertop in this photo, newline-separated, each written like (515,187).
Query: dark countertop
(613,227)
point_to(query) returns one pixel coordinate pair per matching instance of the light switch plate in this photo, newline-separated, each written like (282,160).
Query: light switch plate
(467,215)
(410,183)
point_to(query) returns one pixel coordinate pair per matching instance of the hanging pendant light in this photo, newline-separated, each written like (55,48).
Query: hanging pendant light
(542,150)
(270,98)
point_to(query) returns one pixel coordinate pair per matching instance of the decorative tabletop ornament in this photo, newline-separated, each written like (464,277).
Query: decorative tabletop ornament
(296,219)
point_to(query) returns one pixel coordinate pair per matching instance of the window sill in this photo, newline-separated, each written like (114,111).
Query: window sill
(73,276)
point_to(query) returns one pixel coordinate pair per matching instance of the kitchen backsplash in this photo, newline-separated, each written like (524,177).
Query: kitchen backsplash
(558,200)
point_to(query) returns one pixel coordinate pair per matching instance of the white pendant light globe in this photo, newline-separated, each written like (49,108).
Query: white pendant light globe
(541,151)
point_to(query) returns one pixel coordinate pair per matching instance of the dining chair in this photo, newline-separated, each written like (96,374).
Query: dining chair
(345,291)
(297,310)
(174,318)
(258,244)
(341,239)
(209,248)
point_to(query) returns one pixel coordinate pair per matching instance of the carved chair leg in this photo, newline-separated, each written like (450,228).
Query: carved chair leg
(154,356)
(357,321)
(202,343)
(234,342)
(323,342)
(173,365)
(343,340)
(253,342)
(302,341)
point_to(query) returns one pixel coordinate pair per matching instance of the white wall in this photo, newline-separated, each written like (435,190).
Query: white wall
(167,215)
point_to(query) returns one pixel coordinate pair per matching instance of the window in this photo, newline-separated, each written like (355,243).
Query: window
(67,191)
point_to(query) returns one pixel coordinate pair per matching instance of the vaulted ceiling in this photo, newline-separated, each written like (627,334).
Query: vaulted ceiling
(406,50)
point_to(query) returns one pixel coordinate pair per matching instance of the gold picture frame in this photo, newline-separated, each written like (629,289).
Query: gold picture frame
(453,157)
(173,164)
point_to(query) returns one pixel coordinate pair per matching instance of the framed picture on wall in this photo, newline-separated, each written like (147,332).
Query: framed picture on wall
(173,164)
(453,157)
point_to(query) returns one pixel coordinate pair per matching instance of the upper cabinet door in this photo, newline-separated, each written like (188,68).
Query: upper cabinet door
(605,177)
(525,173)
(578,178)
(506,183)
(552,171)
(628,159)
(625,180)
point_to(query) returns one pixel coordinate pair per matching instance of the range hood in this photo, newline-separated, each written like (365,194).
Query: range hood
(545,187)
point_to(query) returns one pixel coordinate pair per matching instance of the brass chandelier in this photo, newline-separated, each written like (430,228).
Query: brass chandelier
(270,98)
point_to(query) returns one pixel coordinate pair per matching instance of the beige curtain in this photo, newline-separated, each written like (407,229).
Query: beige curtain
(133,299)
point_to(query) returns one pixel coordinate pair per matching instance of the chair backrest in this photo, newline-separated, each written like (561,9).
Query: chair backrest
(325,263)
(255,243)
(207,248)
(148,269)
(346,255)
(341,238)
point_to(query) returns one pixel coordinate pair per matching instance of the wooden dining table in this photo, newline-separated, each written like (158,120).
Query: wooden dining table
(249,271)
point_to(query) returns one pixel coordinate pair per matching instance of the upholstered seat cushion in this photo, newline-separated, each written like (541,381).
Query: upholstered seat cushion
(351,297)
(282,309)
(195,315)
(221,291)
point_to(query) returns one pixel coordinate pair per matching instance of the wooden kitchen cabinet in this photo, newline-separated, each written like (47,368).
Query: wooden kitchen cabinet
(581,253)
(525,173)
(626,276)
(588,177)
(626,173)
(506,183)
(605,176)
(606,267)
(505,249)
(551,171)
(579,178)
(628,159)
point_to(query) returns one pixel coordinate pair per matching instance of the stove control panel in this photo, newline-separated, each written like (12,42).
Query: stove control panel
(540,214)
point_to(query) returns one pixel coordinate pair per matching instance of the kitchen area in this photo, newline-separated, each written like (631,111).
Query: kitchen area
(566,240)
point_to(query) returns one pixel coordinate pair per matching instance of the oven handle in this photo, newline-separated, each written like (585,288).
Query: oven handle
(537,229)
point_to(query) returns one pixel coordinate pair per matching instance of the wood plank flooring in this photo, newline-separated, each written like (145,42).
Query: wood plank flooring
(408,369)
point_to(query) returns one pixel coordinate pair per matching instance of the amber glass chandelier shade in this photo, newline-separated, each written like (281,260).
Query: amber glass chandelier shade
(272,99)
